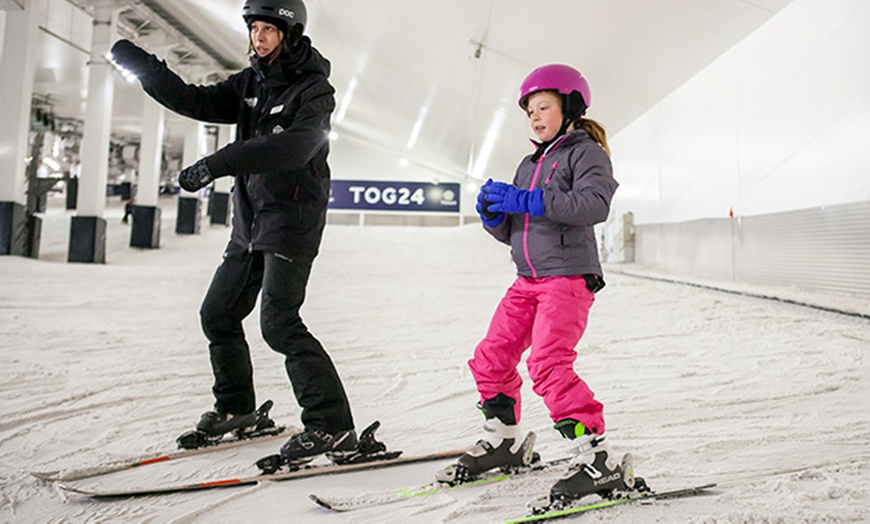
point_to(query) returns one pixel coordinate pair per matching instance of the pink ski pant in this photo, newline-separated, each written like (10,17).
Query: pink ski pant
(548,314)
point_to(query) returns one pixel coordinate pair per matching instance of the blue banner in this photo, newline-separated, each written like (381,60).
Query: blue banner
(411,197)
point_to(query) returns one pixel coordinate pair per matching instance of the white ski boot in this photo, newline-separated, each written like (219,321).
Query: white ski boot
(593,469)
(500,448)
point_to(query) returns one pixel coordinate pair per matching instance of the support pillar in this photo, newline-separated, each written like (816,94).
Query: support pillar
(126,189)
(13,229)
(72,192)
(221,204)
(189,204)
(145,231)
(88,228)
(16,91)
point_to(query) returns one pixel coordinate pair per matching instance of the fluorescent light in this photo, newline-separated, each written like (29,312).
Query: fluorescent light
(345,100)
(489,142)
(418,125)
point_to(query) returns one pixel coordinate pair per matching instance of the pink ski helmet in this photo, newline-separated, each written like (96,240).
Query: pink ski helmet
(576,95)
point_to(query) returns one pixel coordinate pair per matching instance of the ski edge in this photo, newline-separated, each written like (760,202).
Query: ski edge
(124,464)
(351,503)
(341,504)
(558,514)
(328,469)
(324,504)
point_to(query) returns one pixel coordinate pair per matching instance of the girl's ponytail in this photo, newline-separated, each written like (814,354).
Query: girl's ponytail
(595,130)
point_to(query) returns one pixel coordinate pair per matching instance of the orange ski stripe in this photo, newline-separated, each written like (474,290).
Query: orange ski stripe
(217,483)
(151,461)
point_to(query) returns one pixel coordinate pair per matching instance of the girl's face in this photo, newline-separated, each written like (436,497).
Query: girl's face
(265,37)
(545,114)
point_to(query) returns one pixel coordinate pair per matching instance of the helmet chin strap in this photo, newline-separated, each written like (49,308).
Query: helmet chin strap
(566,122)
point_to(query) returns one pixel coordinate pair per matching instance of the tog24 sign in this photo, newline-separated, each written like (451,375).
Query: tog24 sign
(414,197)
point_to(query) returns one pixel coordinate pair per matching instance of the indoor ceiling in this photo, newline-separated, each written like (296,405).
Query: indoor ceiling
(436,82)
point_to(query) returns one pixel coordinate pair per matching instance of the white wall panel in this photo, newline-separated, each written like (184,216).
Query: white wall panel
(809,100)
(820,250)
(833,168)
(636,155)
(775,127)
(699,146)
(788,102)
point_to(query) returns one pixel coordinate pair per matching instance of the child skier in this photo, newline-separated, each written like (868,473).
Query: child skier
(547,216)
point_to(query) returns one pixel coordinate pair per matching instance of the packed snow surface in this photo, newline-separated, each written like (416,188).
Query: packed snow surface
(104,362)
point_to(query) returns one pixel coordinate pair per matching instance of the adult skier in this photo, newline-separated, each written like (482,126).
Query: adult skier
(281,105)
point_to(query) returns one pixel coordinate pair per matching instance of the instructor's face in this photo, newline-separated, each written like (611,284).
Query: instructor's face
(265,37)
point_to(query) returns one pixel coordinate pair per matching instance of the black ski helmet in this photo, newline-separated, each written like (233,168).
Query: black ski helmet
(288,13)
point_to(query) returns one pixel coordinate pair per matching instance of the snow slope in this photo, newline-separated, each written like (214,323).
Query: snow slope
(103,362)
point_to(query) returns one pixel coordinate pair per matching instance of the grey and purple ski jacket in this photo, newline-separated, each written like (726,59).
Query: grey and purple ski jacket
(577,178)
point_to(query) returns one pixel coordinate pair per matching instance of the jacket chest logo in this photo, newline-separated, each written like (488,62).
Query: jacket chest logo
(276,109)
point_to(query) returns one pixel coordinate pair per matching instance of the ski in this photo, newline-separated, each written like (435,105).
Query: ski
(354,502)
(302,472)
(638,497)
(262,434)
(121,465)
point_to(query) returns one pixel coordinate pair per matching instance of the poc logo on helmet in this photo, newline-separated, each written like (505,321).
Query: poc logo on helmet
(286,12)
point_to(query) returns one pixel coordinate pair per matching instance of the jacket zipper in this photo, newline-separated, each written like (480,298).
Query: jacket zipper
(528,217)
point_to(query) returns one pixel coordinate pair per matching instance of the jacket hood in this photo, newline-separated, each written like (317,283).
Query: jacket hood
(302,57)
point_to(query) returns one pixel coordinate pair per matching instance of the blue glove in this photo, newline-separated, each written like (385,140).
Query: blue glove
(509,199)
(488,217)
(195,177)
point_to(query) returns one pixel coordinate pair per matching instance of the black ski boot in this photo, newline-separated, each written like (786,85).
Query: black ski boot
(303,447)
(501,448)
(342,448)
(213,425)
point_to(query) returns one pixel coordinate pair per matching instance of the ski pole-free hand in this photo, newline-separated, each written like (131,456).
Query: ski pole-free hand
(195,177)
(133,58)
(509,199)
(489,217)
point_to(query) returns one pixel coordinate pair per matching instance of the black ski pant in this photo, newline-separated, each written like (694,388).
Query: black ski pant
(230,298)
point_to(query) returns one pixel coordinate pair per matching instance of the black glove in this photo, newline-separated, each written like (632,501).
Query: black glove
(133,58)
(490,218)
(483,206)
(195,177)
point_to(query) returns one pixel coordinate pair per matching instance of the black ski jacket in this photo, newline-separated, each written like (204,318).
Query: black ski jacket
(279,158)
